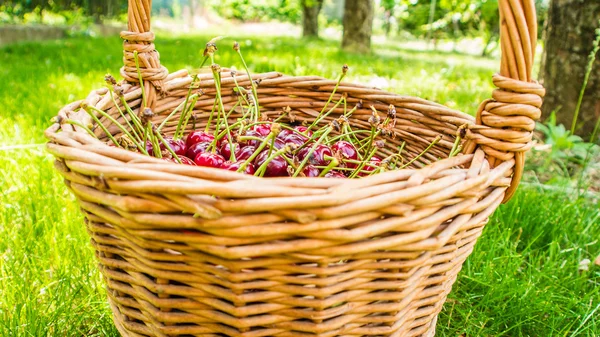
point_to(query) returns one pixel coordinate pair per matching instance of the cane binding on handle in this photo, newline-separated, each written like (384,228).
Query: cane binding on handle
(139,39)
(504,124)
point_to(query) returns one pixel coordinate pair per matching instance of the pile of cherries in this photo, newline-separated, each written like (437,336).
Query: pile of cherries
(276,153)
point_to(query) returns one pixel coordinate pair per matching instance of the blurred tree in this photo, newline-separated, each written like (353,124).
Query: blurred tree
(570,33)
(358,25)
(310,17)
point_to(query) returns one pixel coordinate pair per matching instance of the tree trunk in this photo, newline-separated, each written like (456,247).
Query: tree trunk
(569,40)
(310,17)
(358,25)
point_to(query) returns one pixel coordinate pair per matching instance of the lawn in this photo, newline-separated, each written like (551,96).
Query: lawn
(522,279)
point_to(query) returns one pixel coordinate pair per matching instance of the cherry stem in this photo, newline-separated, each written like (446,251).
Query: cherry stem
(321,115)
(435,141)
(117,124)
(333,163)
(134,117)
(137,67)
(330,97)
(456,147)
(257,151)
(133,130)
(184,108)
(242,95)
(74,122)
(180,106)
(254,92)
(312,149)
(347,134)
(108,134)
(149,136)
(363,163)
(173,154)
(187,115)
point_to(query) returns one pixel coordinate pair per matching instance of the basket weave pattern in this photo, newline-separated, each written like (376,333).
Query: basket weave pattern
(375,256)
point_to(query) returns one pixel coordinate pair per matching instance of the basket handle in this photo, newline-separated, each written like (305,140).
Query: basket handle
(504,124)
(138,38)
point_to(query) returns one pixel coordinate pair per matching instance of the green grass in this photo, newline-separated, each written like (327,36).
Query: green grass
(522,279)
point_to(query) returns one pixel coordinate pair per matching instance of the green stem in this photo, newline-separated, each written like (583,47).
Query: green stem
(173,154)
(112,120)
(133,130)
(312,150)
(108,134)
(164,122)
(333,162)
(254,92)
(263,167)
(435,141)
(137,67)
(133,115)
(181,128)
(363,163)
(73,122)
(256,152)
(321,116)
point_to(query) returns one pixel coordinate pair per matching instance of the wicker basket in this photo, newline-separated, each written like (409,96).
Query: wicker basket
(375,256)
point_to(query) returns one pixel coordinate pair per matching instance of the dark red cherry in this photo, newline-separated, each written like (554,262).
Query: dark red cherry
(177,145)
(346,151)
(250,169)
(226,149)
(277,167)
(209,159)
(334,174)
(302,129)
(252,142)
(278,144)
(263,129)
(284,133)
(196,149)
(311,171)
(198,137)
(318,155)
(295,138)
(375,161)
(245,152)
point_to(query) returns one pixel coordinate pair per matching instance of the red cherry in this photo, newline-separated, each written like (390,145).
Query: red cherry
(375,161)
(278,144)
(177,145)
(209,159)
(334,174)
(347,151)
(245,152)
(302,129)
(318,156)
(226,149)
(198,137)
(196,149)
(252,142)
(295,138)
(263,129)
(311,171)
(284,133)
(275,168)
(250,169)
